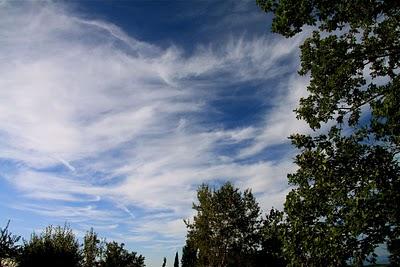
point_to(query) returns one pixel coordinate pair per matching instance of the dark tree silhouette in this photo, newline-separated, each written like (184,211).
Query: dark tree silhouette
(176,262)
(189,255)
(117,256)
(55,246)
(9,249)
(91,249)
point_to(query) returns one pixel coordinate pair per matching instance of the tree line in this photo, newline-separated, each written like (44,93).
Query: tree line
(58,246)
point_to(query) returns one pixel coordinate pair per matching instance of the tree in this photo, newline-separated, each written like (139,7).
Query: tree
(91,249)
(271,253)
(55,246)
(189,255)
(117,256)
(226,229)
(164,262)
(176,262)
(346,188)
(8,244)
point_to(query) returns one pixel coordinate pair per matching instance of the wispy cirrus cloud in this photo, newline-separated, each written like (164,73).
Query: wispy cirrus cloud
(104,129)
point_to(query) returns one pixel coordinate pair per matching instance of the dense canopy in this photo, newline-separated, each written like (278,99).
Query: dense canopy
(347,186)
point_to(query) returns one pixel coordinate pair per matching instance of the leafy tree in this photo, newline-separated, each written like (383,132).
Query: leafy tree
(345,201)
(176,262)
(55,246)
(117,256)
(272,231)
(8,244)
(189,255)
(164,262)
(92,248)
(226,228)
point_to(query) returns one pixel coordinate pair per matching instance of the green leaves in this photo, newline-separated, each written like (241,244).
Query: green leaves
(342,205)
(344,198)
(92,249)
(227,222)
(58,246)
(228,231)
(189,254)
(55,246)
(117,256)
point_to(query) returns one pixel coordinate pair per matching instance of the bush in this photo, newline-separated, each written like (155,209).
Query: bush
(55,246)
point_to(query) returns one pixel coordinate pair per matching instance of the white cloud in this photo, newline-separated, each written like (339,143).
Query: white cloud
(71,214)
(84,94)
(281,122)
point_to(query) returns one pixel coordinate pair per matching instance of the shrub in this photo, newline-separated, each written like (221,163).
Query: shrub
(55,246)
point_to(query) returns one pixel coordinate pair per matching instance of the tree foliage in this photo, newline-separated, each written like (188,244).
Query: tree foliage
(117,256)
(347,184)
(189,255)
(227,230)
(271,253)
(92,249)
(97,252)
(55,246)
(9,247)
(226,227)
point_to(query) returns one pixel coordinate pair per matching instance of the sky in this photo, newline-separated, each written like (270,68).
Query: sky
(112,113)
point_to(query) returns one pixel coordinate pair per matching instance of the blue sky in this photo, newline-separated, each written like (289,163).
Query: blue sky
(113,112)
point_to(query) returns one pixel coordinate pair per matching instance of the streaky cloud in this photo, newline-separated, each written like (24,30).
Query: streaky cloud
(81,100)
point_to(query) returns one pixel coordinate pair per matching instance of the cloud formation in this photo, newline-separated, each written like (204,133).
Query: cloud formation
(103,129)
